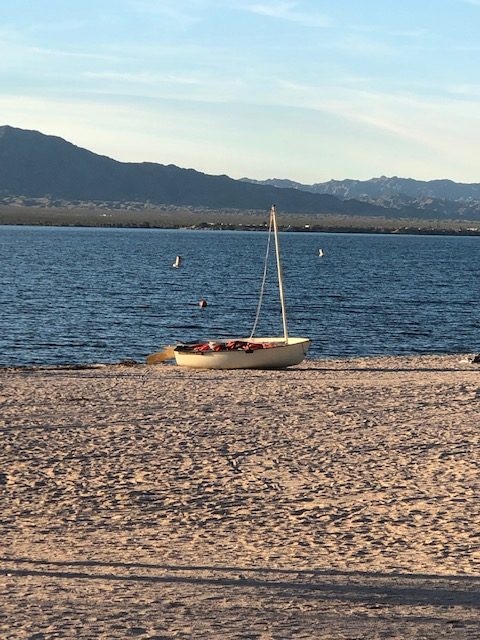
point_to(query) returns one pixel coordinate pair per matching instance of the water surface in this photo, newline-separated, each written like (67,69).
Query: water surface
(82,295)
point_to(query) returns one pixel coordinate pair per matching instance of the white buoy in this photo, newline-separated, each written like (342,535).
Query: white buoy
(178,262)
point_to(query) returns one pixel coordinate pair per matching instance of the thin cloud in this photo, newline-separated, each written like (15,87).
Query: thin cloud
(67,25)
(354,106)
(74,54)
(358,46)
(170,10)
(140,78)
(465,90)
(419,32)
(412,33)
(288,11)
(466,48)
(408,117)
(369,40)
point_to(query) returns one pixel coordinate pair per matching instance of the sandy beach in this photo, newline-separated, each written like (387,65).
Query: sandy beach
(339,499)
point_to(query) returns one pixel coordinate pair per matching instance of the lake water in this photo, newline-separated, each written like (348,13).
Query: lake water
(85,295)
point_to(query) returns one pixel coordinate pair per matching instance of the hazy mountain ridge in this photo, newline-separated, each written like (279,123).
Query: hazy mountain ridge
(442,198)
(35,165)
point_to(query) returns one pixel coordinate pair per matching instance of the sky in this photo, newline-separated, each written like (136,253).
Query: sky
(307,90)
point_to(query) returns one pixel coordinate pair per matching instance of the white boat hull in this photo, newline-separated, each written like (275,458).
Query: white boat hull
(277,357)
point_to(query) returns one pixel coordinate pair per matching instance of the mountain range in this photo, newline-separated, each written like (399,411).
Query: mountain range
(35,165)
(439,199)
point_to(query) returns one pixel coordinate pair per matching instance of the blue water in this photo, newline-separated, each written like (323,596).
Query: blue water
(83,295)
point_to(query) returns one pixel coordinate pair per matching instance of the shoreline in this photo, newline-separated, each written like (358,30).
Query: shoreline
(335,499)
(465,358)
(190,218)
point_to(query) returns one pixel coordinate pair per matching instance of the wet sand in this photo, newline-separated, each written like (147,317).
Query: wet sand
(337,499)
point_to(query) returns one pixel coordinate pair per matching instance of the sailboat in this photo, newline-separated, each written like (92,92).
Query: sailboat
(252,352)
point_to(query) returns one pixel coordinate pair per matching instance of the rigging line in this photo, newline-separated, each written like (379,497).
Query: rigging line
(262,288)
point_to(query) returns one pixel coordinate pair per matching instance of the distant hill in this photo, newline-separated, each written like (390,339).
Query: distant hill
(35,165)
(434,198)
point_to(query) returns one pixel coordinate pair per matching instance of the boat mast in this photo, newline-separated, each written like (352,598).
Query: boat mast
(279,272)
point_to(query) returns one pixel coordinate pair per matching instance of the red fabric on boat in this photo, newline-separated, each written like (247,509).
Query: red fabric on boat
(201,347)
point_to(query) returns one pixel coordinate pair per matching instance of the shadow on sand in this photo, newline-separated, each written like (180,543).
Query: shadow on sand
(350,586)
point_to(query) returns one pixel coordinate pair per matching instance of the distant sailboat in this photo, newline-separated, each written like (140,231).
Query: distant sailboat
(178,262)
(321,253)
(270,352)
